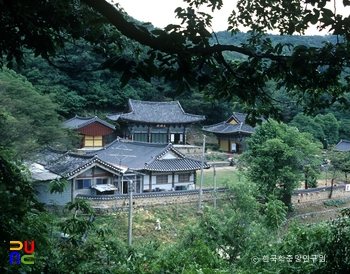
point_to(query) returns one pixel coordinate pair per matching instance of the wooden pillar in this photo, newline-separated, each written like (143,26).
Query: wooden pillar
(173,179)
(120,184)
(150,181)
(141,183)
(195,178)
(149,134)
(168,135)
(72,190)
(130,131)
(184,140)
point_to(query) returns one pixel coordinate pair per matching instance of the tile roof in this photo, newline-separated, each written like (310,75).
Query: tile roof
(39,173)
(47,155)
(79,122)
(68,164)
(71,164)
(156,112)
(183,164)
(227,128)
(343,145)
(147,156)
(121,156)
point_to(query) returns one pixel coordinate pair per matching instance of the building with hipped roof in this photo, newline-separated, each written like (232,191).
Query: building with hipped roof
(343,146)
(232,133)
(93,130)
(110,170)
(155,122)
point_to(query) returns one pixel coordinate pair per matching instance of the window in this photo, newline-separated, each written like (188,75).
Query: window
(184,178)
(162,179)
(159,137)
(82,183)
(141,137)
(101,181)
(93,141)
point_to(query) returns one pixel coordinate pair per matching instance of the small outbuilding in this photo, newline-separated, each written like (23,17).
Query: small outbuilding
(343,146)
(232,133)
(93,129)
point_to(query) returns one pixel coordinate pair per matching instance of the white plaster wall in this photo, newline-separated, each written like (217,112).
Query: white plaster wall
(45,197)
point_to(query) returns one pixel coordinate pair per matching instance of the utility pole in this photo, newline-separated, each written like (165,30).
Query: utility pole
(201,180)
(131,186)
(214,186)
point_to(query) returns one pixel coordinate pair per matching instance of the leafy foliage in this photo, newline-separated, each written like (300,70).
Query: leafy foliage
(20,212)
(235,237)
(330,127)
(233,229)
(308,124)
(335,203)
(314,77)
(276,156)
(340,162)
(58,185)
(30,119)
(275,213)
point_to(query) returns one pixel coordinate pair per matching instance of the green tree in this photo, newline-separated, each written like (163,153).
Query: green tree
(276,156)
(30,119)
(326,239)
(22,216)
(196,103)
(275,213)
(233,229)
(344,129)
(340,161)
(308,124)
(315,77)
(330,126)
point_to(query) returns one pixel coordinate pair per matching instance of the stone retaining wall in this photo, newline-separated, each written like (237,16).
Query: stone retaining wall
(110,203)
(119,202)
(320,194)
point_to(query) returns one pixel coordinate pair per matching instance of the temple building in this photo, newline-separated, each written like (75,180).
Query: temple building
(155,122)
(232,133)
(109,171)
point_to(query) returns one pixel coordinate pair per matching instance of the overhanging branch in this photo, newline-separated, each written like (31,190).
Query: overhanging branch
(144,37)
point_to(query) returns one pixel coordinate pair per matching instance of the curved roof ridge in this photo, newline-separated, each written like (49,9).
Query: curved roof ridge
(122,140)
(168,148)
(153,102)
(226,127)
(214,125)
(84,121)
(93,160)
(55,150)
(114,116)
(166,112)
(235,115)
(189,114)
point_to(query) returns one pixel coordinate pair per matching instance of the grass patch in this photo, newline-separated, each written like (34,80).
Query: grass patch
(175,221)
(224,177)
(327,175)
